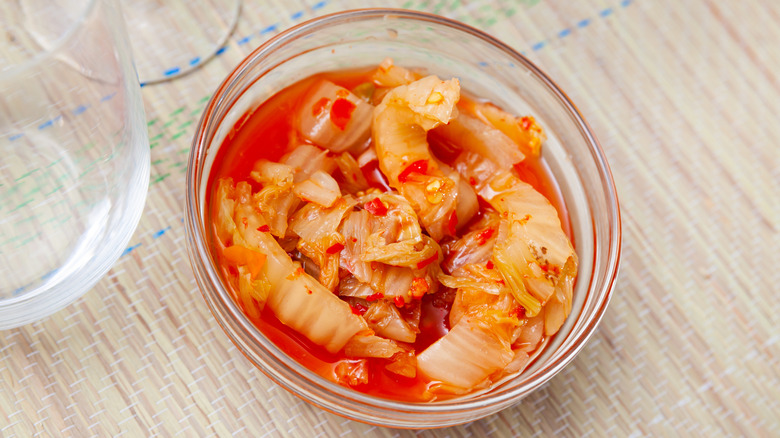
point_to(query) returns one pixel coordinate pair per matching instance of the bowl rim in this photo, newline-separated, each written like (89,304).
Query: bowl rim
(197,236)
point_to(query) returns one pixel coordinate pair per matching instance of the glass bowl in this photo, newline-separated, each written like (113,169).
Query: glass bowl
(487,68)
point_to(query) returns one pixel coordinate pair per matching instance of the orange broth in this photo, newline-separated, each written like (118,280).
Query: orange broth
(264,133)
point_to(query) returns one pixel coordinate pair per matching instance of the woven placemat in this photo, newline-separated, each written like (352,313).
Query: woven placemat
(684,97)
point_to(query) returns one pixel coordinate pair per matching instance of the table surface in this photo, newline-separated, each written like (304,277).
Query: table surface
(684,97)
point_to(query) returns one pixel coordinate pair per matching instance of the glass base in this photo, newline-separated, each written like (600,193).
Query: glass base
(170,38)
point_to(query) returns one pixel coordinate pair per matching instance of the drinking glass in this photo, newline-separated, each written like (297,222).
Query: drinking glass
(172,37)
(74,152)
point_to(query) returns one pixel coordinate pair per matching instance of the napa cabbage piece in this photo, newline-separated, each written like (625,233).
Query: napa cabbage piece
(404,117)
(533,249)
(435,200)
(333,118)
(468,354)
(392,215)
(224,202)
(399,132)
(352,372)
(475,277)
(389,75)
(476,136)
(512,261)
(386,231)
(239,255)
(352,287)
(558,307)
(530,335)
(298,300)
(386,251)
(520,360)
(320,240)
(355,229)
(495,300)
(319,225)
(277,200)
(536,218)
(392,283)
(354,180)
(270,173)
(403,363)
(467,202)
(483,328)
(535,223)
(276,203)
(366,157)
(405,253)
(524,131)
(473,248)
(370,345)
(385,320)
(319,188)
(307,159)
(253,291)
(475,168)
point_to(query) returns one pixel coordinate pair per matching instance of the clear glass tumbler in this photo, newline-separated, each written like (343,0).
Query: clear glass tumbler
(172,37)
(74,152)
(487,68)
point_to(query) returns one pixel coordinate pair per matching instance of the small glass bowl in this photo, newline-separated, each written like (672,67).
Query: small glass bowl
(486,68)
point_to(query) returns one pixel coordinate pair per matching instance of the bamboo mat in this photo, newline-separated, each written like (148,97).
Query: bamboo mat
(684,97)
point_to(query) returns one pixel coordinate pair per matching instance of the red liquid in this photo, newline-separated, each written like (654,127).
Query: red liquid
(264,133)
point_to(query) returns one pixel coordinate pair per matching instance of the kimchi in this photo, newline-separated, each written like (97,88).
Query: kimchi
(393,233)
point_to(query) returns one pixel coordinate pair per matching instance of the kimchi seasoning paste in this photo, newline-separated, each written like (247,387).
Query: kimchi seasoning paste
(265,133)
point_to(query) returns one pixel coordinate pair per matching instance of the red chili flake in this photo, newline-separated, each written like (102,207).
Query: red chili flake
(341,112)
(501,282)
(399,301)
(489,264)
(244,221)
(295,274)
(484,235)
(419,288)
(354,239)
(376,207)
(551,269)
(358,309)
(335,248)
(452,224)
(263,228)
(472,181)
(374,297)
(419,166)
(428,261)
(525,122)
(518,312)
(309,291)
(319,106)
